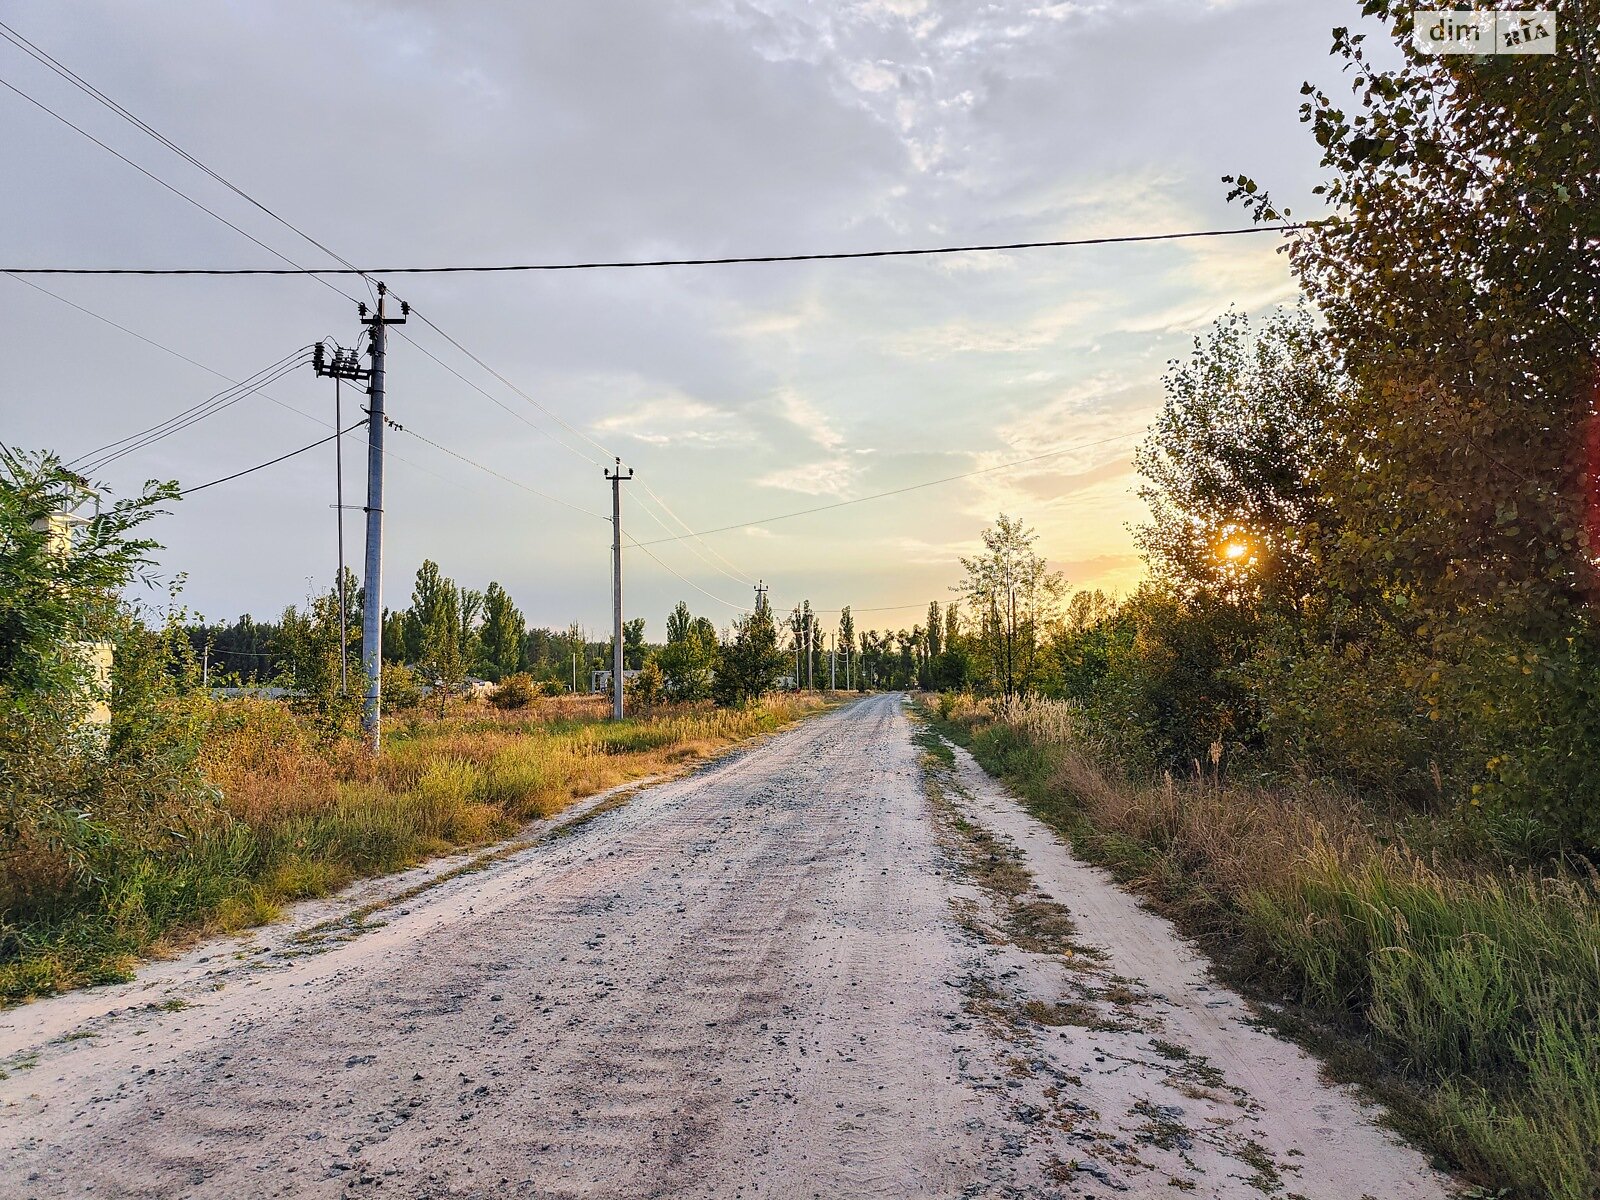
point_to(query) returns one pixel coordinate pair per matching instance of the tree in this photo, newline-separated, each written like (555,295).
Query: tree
(307,661)
(803,630)
(633,648)
(55,592)
(396,647)
(85,819)
(1460,279)
(749,666)
(1232,465)
(469,608)
(1016,595)
(427,596)
(649,686)
(502,633)
(847,645)
(441,665)
(688,661)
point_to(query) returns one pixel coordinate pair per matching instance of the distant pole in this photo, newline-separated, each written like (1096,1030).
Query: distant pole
(205,664)
(797,648)
(617,479)
(833,664)
(811,647)
(574,672)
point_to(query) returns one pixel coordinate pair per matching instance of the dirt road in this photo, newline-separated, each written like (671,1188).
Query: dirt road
(795,973)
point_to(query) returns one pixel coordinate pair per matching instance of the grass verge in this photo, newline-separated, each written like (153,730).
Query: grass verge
(298,819)
(1465,992)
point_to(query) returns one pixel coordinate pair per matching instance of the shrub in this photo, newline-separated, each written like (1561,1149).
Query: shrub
(514,691)
(401,691)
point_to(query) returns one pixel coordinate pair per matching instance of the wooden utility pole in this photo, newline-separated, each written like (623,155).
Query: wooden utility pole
(617,479)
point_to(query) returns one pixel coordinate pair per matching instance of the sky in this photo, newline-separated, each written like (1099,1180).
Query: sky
(404,133)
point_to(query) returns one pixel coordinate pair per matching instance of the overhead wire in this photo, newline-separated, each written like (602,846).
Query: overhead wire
(900,491)
(349,268)
(165,349)
(66,73)
(78,81)
(270,462)
(103,456)
(549,412)
(60,69)
(665,507)
(727,260)
(406,429)
(637,545)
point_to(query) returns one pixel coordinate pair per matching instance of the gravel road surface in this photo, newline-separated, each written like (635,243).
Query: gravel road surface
(794,973)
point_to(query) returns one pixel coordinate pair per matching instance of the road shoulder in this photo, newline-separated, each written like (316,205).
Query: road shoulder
(1130,1066)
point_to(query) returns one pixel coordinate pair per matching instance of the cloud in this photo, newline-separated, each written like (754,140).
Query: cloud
(825,478)
(873,77)
(555,132)
(673,420)
(811,421)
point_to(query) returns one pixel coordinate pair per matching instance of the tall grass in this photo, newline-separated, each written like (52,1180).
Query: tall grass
(298,817)
(1476,981)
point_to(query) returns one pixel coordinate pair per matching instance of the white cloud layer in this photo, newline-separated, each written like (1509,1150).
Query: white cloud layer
(501,131)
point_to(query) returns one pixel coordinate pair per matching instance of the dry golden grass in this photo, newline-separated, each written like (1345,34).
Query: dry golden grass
(300,818)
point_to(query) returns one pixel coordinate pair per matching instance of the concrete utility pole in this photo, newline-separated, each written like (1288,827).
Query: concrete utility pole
(617,479)
(833,664)
(796,627)
(346,364)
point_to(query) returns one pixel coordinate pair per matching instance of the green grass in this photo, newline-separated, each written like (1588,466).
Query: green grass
(1467,993)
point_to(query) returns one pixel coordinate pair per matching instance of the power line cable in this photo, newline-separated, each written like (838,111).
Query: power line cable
(665,507)
(100,464)
(84,85)
(348,267)
(638,545)
(165,349)
(210,212)
(200,487)
(690,546)
(900,491)
(552,414)
(623,264)
(491,471)
(156,178)
(78,81)
(104,456)
(490,396)
(16,39)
